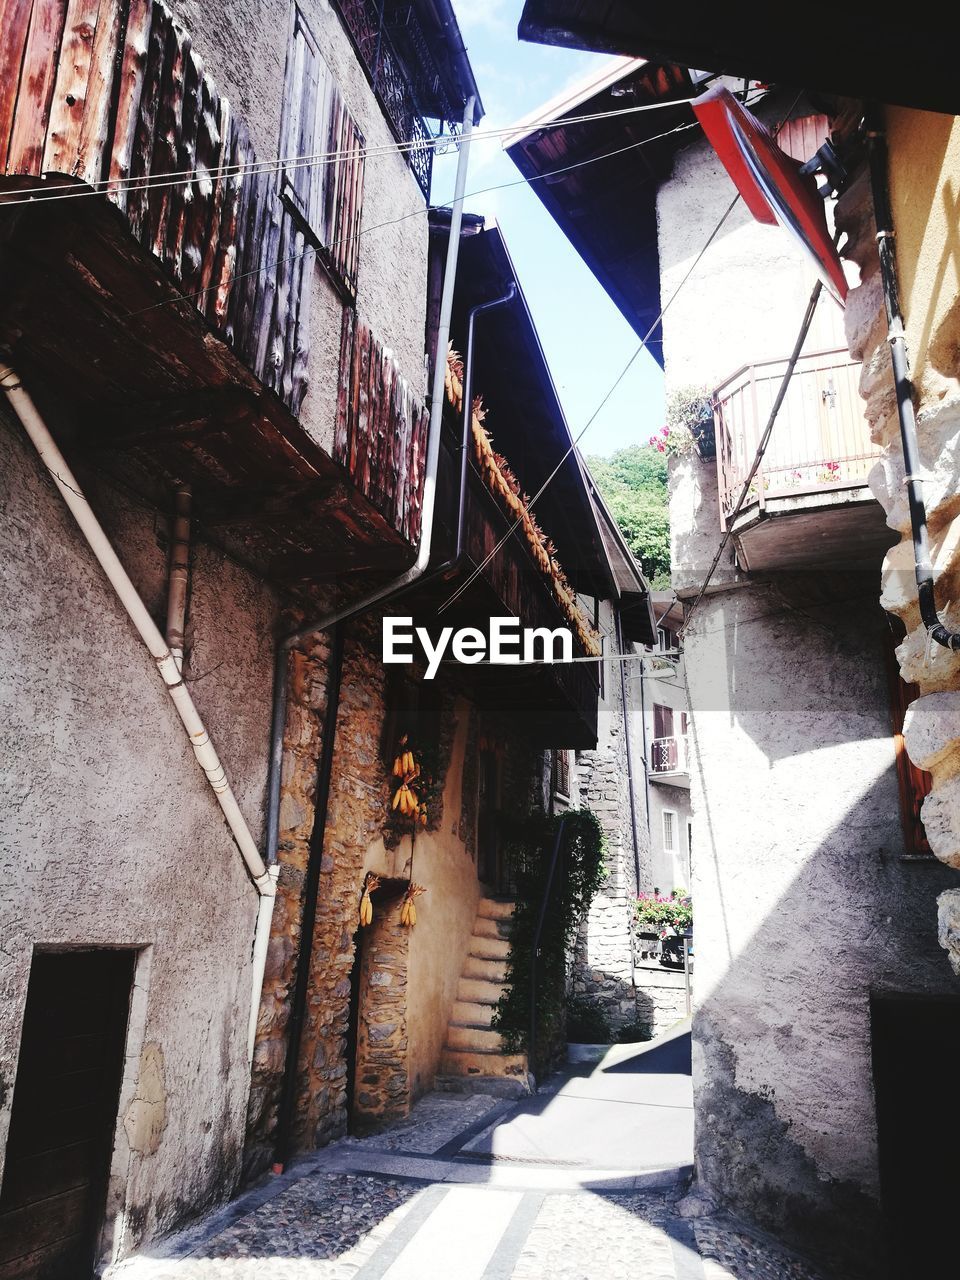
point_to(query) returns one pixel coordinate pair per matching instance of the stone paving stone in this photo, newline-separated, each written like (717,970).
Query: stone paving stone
(588,1236)
(732,1250)
(330,1222)
(322,1228)
(433,1122)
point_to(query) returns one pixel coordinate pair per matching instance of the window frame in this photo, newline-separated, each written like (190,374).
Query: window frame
(673,815)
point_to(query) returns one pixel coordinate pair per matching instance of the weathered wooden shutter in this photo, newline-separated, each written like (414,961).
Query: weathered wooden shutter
(322,179)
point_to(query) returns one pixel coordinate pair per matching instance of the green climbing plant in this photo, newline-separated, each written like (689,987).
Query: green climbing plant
(579,875)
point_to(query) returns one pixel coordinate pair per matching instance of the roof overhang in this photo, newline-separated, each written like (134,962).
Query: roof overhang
(525,416)
(836,47)
(599,179)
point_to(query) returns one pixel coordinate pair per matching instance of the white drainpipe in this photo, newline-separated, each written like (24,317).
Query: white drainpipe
(167,665)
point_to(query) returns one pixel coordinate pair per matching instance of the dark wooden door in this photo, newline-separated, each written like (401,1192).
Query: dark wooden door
(64,1114)
(916,1045)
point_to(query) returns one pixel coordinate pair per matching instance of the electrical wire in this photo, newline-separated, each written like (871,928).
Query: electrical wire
(414,213)
(184,177)
(616,383)
(713,234)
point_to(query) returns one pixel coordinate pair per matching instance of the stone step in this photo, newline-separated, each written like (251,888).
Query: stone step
(489,948)
(495,908)
(486,927)
(494,1086)
(473,1039)
(479,991)
(471,1064)
(470,1013)
(481,967)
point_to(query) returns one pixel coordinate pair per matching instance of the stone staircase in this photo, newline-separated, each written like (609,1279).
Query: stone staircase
(473,1058)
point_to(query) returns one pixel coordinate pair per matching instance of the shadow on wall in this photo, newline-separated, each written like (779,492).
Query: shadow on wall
(782,1073)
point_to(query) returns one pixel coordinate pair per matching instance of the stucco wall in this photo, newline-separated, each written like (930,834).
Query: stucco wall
(244,47)
(747,295)
(110,835)
(803,903)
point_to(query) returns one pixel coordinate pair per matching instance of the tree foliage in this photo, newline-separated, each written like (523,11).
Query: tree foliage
(633,482)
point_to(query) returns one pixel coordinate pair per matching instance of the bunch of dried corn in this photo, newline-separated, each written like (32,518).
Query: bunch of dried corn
(408,908)
(366,906)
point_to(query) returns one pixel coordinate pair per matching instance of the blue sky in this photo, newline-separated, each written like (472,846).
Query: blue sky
(586,340)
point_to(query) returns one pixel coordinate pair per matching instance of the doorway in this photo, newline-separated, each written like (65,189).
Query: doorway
(64,1113)
(915,1043)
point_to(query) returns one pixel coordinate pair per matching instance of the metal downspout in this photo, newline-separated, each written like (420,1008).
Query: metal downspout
(886,237)
(419,567)
(625,702)
(139,615)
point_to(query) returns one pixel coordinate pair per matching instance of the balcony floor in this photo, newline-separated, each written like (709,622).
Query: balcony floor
(840,529)
(139,387)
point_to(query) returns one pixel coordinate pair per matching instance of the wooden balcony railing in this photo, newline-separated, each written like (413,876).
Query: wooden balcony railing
(381,429)
(820,441)
(669,755)
(112,92)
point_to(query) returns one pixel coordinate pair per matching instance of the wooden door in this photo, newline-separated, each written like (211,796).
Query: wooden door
(913,1039)
(64,1114)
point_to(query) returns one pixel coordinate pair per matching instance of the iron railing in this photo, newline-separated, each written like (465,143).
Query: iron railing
(396,56)
(820,441)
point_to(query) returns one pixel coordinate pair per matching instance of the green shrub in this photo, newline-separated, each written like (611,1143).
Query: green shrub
(579,875)
(586,1021)
(634,1033)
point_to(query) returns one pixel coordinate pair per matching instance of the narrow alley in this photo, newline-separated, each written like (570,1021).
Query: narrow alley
(583,1181)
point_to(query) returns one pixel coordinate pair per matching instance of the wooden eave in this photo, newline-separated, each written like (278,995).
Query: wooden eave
(836,48)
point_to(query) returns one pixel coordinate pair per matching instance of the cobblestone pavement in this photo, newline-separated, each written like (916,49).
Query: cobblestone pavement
(413,1204)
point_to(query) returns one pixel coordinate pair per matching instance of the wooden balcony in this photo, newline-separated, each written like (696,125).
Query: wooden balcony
(669,760)
(809,503)
(156,280)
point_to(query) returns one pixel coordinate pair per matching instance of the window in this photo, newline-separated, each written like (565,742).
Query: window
(325,197)
(669,819)
(667,639)
(662,721)
(560,774)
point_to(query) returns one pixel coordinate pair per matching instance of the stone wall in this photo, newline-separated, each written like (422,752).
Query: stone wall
(603,956)
(661,996)
(382,1064)
(408,978)
(924,171)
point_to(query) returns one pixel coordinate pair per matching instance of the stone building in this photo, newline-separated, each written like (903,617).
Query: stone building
(230,420)
(820,984)
(182,342)
(390,1012)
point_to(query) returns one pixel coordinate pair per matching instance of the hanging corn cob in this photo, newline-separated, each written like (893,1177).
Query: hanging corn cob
(406,770)
(408,909)
(366,905)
